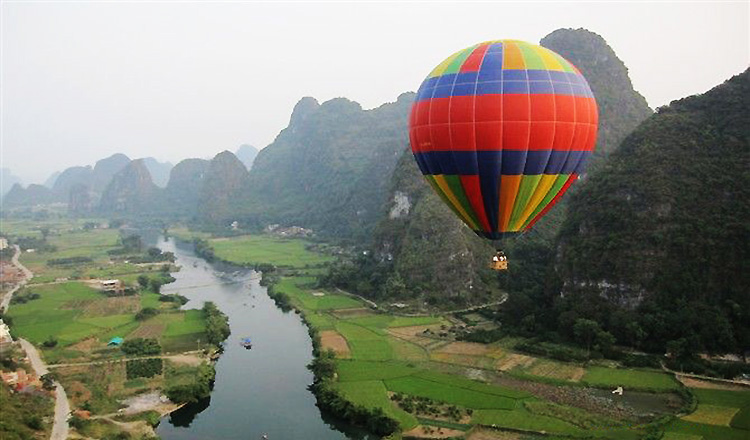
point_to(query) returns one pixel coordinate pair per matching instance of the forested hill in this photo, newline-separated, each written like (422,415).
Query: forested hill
(664,224)
(329,169)
(420,243)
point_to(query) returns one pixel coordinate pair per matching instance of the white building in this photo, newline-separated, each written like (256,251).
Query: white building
(110,284)
(3,243)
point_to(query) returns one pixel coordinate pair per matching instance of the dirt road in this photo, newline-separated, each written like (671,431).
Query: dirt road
(62,407)
(27,276)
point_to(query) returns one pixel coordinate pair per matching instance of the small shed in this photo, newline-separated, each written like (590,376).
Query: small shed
(116,341)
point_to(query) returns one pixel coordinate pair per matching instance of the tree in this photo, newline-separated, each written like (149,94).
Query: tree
(604,341)
(50,342)
(635,334)
(48,381)
(154,252)
(585,331)
(324,366)
(143,281)
(132,243)
(156,286)
(146,313)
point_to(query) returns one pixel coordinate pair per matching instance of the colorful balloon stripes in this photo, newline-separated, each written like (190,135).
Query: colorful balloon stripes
(501,130)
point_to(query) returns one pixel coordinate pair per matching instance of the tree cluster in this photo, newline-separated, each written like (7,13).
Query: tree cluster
(217,324)
(141,347)
(143,368)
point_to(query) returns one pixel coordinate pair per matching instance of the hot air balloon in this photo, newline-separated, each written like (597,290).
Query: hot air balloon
(501,130)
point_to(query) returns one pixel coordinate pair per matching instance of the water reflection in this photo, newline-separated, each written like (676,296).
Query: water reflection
(183,417)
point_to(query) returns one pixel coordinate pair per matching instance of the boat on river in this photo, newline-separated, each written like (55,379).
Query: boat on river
(247,343)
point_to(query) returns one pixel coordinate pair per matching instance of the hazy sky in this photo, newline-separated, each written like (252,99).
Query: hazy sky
(84,80)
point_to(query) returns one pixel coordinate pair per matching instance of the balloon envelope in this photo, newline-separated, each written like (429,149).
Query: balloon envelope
(500,130)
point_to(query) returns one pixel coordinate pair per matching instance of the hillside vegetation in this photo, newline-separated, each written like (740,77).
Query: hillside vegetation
(663,226)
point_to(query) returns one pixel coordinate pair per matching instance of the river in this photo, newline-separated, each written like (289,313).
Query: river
(262,391)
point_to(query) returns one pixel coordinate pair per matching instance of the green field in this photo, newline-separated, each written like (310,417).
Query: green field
(72,312)
(707,432)
(189,322)
(307,301)
(721,414)
(384,321)
(59,312)
(266,249)
(352,371)
(523,420)
(373,394)
(633,379)
(739,400)
(445,392)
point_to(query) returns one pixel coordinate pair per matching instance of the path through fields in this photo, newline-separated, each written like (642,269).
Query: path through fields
(62,407)
(27,275)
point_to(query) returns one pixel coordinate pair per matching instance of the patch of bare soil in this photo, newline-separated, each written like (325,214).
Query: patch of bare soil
(511,361)
(118,305)
(332,340)
(87,345)
(708,384)
(465,348)
(415,333)
(152,401)
(186,359)
(489,434)
(78,393)
(433,432)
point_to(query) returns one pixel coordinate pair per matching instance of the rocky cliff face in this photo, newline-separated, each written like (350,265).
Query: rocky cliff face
(105,169)
(131,191)
(69,178)
(184,188)
(429,248)
(221,182)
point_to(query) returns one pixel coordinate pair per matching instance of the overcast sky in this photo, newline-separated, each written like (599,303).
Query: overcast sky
(84,80)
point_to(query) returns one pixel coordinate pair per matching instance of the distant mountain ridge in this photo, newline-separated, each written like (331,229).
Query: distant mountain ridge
(329,169)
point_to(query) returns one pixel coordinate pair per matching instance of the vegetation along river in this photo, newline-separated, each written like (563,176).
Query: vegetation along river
(258,391)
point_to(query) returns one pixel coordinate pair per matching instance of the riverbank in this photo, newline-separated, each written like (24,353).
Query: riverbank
(418,374)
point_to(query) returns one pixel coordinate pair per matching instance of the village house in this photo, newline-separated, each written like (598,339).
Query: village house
(111,285)
(4,334)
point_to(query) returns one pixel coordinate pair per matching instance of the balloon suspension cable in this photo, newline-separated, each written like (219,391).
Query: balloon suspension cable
(497,245)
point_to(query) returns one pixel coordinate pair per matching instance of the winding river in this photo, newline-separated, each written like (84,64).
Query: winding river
(262,391)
